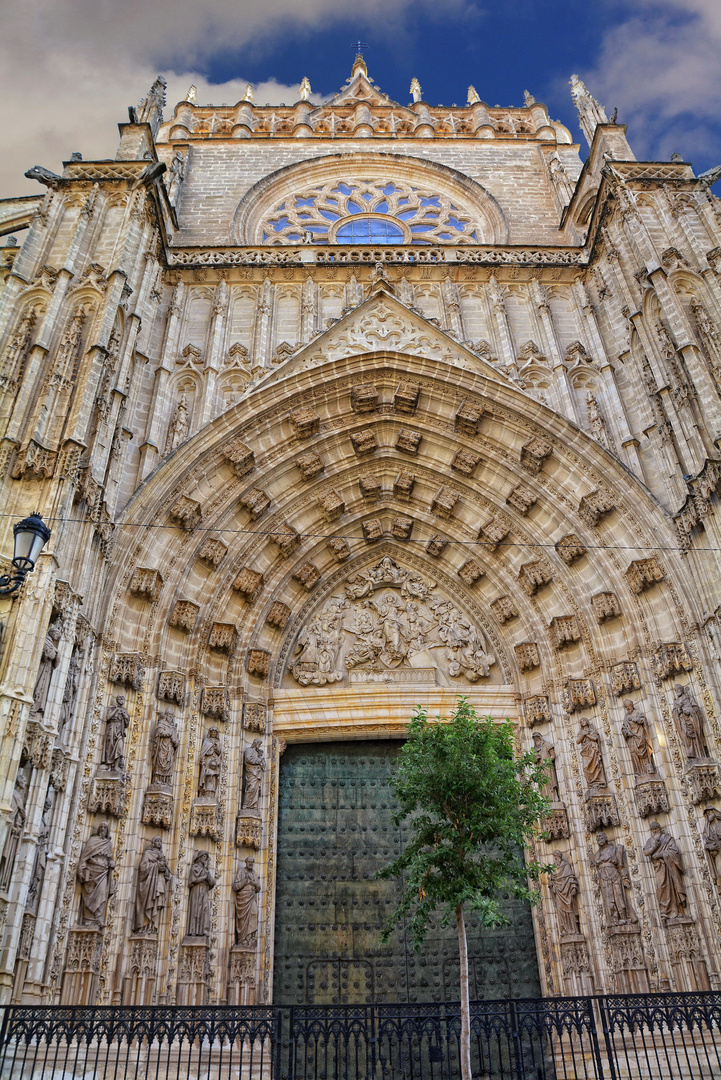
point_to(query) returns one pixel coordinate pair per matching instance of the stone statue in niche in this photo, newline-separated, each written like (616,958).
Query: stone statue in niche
(117,719)
(253,769)
(179,426)
(164,748)
(41,856)
(668,865)
(15,831)
(389,618)
(200,883)
(545,752)
(712,840)
(48,661)
(635,731)
(612,866)
(589,742)
(70,693)
(688,717)
(211,756)
(246,888)
(95,875)
(154,878)
(564,889)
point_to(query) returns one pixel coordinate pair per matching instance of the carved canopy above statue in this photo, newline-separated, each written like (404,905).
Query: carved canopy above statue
(389,624)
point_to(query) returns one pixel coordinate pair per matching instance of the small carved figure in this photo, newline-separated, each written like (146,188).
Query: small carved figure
(612,866)
(41,856)
(635,731)
(179,425)
(15,831)
(688,716)
(712,840)
(668,865)
(163,748)
(48,660)
(254,766)
(545,753)
(211,756)
(94,873)
(246,887)
(154,879)
(117,719)
(591,758)
(200,883)
(564,889)
(176,175)
(70,693)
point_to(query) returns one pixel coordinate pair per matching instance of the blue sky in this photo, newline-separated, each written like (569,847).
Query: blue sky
(69,68)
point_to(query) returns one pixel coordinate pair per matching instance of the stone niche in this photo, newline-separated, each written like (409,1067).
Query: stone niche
(391,624)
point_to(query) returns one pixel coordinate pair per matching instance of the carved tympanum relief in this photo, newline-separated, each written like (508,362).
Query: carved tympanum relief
(389,622)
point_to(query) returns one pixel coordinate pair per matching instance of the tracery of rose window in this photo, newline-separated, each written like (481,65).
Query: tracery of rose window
(369,212)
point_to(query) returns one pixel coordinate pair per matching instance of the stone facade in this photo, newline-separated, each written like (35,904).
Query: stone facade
(322,397)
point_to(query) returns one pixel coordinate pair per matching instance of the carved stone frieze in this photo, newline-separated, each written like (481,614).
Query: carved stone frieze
(643,573)
(241,967)
(594,507)
(625,678)
(240,456)
(683,940)
(534,455)
(256,502)
(308,575)
(364,398)
(470,572)
(332,505)
(171,686)
(401,527)
(287,539)
(364,442)
(574,955)
(143,958)
(34,463)
(370,487)
(305,422)
(403,485)
(704,780)
(83,951)
(248,583)
(555,824)
(212,552)
(223,637)
(605,606)
(537,710)
(527,656)
(339,548)
(564,630)
(504,608)
(521,498)
(158,808)
(254,713)
(107,795)
(578,694)
(405,398)
(535,575)
(672,658)
(38,745)
(407,441)
(626,947)
(468,418)
(436,545)
(205,818)
(570,548)
(278,615)
(184,615)
(145,583)
(258,663)
(601,811)
(494,531)
(215,702)
(310,465)
(465,462)
(186,513)
(127,670)
(651,796)
(248,829)
(444,502)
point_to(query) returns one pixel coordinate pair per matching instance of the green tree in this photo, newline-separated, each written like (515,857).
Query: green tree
(472,805)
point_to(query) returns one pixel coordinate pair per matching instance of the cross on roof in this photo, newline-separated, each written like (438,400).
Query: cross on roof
(359,46)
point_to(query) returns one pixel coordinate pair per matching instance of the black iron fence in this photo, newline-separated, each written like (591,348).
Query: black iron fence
(623,1037)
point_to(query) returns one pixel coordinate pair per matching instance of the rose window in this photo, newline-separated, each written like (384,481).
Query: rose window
(369,212)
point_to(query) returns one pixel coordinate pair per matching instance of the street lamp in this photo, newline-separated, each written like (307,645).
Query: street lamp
(31,536)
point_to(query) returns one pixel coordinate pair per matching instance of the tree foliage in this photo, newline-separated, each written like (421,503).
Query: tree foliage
(472,806)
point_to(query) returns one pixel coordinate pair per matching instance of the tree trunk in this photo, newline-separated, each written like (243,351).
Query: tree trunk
(465,1045)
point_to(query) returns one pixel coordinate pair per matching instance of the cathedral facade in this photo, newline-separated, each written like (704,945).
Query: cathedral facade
(334,410)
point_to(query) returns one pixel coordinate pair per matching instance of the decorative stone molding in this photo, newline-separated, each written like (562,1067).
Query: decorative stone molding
(504,608)
(372,530)
(605,606)
(332,505)
(308,575)
(401,528)
(556,824)
(364,442)
(537,710)
(171,686)
(594,507)
(625,678)
(470,572)
(256,502)
(287,539)
(601,811)
(205,818)
(569,548)
(240,456)
(184,615)
(186,513)
(643,573)
(38,745)
(436,545)
(650,796)
(127,670)
(364,398)
(145,583)
(403,485)
(158,807)
(223,637)
(278,615)
(535,575)
(534,455)
(564,630)
(258,663)
(107,795)
(248,583)
(574,955)
(627,955)
(370,487)
(444,502)
(305,422)
(683,939)
(215,702)
(405,399)
(339,548)
(468,418)
(254,716)
(672,658)
(35,463)
(241,971)
(408,442)
(521,498)
(212,552)
(494,531)
(704,781)
(527,656)
(310,465)
(248,829)
(466,462)
(578,694)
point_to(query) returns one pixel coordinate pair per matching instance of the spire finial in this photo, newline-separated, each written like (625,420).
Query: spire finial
(359,63)
(590,112)
(304,89)
(473,98)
